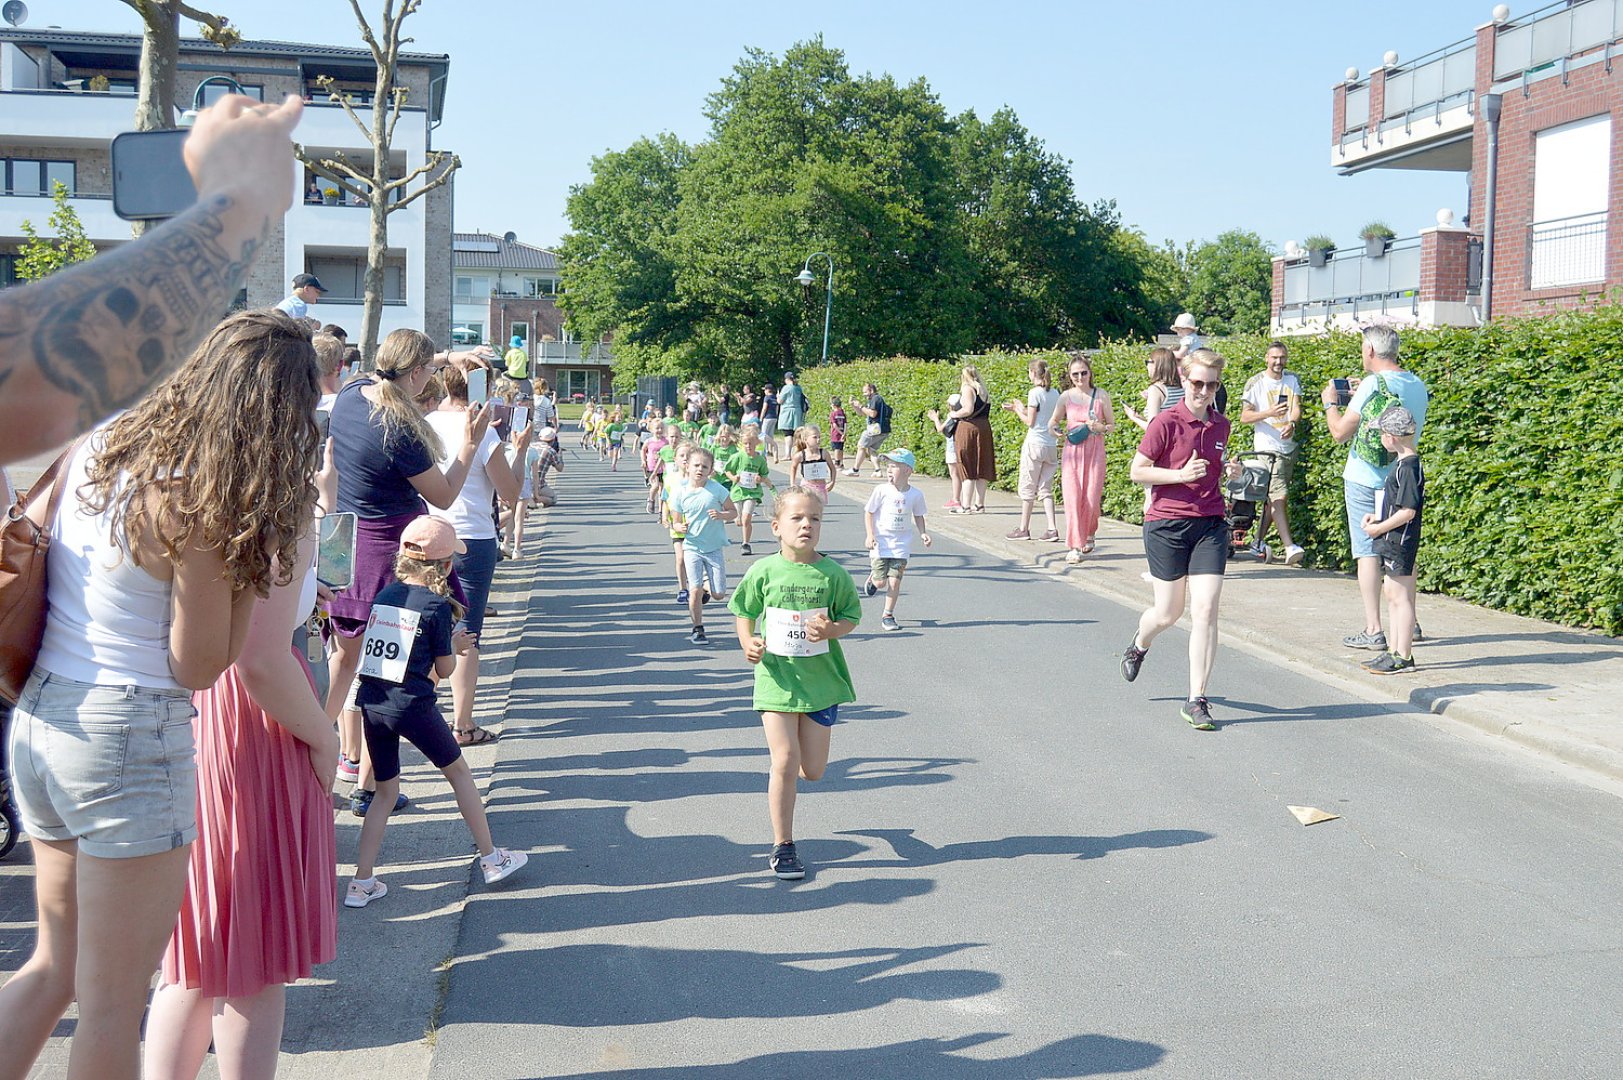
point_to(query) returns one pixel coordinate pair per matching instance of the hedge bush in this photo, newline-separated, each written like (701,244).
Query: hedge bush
(1523,449)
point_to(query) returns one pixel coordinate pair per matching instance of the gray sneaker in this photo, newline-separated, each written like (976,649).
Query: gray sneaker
(1375,642)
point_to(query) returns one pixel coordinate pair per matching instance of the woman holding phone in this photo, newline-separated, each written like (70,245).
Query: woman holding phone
(388,465)
(178,518)
(491,475)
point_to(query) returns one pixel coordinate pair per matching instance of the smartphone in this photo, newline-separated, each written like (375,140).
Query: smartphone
(324,425)
(335,557)
(478,386)
(1344,393)
(150,179)
(521,416)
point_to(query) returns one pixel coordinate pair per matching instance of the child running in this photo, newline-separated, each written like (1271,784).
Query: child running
(671,512)
(836,432)
(724,443)
(893,510)
(653,469)
(616,435)
(810,466)
(746,471)
(706,507)
(791,608)
(409,639)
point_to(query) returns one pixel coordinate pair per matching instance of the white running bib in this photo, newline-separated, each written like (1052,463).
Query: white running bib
(387,646)
(814,470)
(748,480)
(785,632)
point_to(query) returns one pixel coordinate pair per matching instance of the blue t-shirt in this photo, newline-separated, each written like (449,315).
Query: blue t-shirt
(704,532)
(433,640)
(374,474)
(295,307)
(1364,452)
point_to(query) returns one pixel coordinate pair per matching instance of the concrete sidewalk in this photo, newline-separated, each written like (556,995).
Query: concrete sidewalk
(1544,686)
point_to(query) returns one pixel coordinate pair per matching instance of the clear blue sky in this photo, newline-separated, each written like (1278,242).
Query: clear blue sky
(1195,116)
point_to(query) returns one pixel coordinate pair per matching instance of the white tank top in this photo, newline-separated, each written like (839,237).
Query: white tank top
(108,622)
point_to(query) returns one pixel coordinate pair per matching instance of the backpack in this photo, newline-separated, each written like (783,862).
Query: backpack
(1366,443)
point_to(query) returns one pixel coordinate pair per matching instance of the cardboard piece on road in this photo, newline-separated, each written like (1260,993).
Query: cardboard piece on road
(1309,815)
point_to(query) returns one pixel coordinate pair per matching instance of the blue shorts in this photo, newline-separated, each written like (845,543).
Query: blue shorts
(477,569)
(827,716)
(1360,501)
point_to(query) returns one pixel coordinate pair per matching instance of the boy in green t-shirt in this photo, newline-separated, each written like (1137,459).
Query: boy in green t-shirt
(791,608)
(707,433)
(616,432)
(746,471)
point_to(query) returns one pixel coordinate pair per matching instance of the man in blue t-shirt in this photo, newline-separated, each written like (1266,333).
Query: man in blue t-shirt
(1385,384)
(307,290)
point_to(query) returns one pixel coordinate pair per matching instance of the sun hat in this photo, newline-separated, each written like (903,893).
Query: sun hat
(1396,421)
(1185,321)
(430,538)
(546,434)
(902,457)
(955,400)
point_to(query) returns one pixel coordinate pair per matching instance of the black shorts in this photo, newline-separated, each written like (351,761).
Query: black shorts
(421,725)
(1399,562)
(1179,547)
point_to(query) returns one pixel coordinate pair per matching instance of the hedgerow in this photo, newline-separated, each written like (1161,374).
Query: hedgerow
(1523,449)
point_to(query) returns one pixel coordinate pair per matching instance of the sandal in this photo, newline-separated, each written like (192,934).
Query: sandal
(1087,548)
(474,736)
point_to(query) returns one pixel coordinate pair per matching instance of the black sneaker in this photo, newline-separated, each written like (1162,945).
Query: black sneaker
(869,588)
(697,637)
(1389,663)
(746,550)
(681,596)
(361,802)
(1132,659)
(1418,636)
(786,864)
(1199,714)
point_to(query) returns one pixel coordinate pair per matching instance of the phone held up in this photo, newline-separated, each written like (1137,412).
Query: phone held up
(1344,392)
(150,179)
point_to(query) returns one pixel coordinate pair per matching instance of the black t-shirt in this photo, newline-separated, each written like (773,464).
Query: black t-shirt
(769,406)
(1405,489)
(881,413)
(374,473)
(433,640)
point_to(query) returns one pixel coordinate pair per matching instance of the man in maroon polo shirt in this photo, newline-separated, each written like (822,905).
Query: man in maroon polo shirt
(1186,535)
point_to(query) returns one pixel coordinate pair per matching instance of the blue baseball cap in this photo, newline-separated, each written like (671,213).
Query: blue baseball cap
(902,457)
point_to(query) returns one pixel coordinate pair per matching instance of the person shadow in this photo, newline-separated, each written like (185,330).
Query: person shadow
(912,853)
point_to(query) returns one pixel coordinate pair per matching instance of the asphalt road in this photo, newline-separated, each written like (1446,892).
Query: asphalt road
(1021,866)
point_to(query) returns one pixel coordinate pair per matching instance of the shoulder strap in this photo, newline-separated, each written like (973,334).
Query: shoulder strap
(52,476)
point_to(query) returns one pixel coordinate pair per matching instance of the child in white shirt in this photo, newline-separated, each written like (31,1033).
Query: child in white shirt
(893,511)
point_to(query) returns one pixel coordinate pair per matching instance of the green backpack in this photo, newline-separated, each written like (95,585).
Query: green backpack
(1366,444)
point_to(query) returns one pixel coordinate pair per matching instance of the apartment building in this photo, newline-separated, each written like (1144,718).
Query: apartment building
(506,289)
(1522,110)
(64,95)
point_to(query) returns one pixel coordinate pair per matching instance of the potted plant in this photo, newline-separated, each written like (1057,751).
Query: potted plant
(1318,249)
(99,84)
(1377,238)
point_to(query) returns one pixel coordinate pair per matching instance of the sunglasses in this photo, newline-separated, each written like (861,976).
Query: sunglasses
(1078,374)
(1201,387)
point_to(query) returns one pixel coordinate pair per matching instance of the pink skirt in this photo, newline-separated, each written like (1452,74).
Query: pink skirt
(261,904)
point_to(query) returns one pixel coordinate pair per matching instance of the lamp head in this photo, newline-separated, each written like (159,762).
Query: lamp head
(805,276)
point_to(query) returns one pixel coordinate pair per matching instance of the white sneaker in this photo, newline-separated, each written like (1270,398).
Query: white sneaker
(501,864)
(1294,555)
(360,895)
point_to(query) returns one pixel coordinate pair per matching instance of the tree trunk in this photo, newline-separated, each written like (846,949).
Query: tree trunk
(155,105)
(378,203)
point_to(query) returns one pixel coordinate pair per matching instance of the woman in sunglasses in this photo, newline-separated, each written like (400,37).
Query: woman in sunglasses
(1186,537)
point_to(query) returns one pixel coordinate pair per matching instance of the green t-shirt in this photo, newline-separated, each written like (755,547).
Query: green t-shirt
(687,428)
(742,461)
(798,684)
(616,434)
(707,434)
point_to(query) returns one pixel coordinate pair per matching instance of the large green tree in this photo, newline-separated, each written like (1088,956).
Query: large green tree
(1230,283)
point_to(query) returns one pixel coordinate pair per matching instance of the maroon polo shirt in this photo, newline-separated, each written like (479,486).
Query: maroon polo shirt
(1172,437)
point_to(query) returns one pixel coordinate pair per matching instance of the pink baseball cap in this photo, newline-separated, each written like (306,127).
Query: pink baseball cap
(430,538)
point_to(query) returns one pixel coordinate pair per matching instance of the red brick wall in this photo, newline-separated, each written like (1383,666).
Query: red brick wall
(1377,98)
(1338,114)
(1443,258)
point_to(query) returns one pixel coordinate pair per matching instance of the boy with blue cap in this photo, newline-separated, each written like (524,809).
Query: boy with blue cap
(894,509)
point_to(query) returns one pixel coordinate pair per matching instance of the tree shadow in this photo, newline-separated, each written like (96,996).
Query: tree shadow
(912,852)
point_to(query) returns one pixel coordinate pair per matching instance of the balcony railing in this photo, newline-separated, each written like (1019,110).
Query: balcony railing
(1566,251)
(1554,33)
(1431,85)
(1352,283)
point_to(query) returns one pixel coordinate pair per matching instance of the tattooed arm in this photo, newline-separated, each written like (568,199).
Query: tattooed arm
(93,339)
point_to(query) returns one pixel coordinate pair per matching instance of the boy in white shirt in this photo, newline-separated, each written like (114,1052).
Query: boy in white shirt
(893,511)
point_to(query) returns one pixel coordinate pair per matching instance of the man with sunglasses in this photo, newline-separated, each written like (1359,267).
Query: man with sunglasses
(1186,532)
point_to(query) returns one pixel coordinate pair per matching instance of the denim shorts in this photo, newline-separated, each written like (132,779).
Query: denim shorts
(706,568)
(112,767)
(477,569)
(1360,501)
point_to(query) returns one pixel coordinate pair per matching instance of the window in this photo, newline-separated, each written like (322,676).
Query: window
(345,278)
(540,286)
(580,382)
(472,288)
(520,330)
(1571,180)
(8,271)
(215,91)
(22,176)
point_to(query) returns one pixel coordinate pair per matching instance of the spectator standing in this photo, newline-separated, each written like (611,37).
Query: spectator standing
(1273,407)
(1385,384)
(749,406)
(977,452)
(769,421)
(1395,530)
(1039,453)
(791,411)
(307,290)
(1165,389)
(876,431)
(945,429)
(1088,418)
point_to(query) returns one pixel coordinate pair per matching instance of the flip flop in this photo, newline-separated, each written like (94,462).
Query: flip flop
(475,736)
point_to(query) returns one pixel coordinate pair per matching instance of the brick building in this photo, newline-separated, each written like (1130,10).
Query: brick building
(64,95)
(1522,109)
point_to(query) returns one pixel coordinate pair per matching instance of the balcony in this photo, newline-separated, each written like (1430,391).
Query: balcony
(65,117)
(1556,39)
(1426,111)
(95,213)
(1567,252)
(1427,280)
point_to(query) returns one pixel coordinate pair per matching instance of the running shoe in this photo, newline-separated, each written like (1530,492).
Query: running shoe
(501,864)
(1018,534)
(1199,714)
(681,596)
(1132,659)
(869,587)
(698,636)
(1260,551)
(1418,636)
(746,550)
(1294,555)
(950,504)
(359,895)
(786,864)
(348,770)
(1375,642)
(1049,537)
(889,623)
(361,802)
(1389,663)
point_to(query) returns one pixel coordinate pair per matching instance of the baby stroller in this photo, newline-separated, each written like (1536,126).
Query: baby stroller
(8,815)
(1247,494)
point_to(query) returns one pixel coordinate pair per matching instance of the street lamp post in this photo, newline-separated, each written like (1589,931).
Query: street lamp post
(806,278)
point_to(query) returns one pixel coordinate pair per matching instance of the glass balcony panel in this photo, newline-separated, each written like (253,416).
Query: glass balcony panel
(1357,108)
(1552,38)
(1513,52)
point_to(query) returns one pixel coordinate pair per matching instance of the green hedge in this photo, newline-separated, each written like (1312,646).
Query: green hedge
(1523,450)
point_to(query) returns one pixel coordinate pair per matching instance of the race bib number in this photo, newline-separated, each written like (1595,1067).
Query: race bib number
(387,645)
(748,480)
(785,632)
(899,518)
(815,470)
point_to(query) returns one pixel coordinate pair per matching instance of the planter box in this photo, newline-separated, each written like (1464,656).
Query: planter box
(1375,246)
(1319,257)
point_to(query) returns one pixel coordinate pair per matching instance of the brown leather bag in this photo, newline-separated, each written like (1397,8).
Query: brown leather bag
(24,544)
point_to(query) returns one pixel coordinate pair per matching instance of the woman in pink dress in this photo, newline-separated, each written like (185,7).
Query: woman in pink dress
(261,906)
(1086,409)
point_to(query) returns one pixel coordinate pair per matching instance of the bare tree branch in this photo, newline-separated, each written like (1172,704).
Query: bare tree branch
(400,93)
(366,30)
(452,164)
(329,84)
(337,169)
